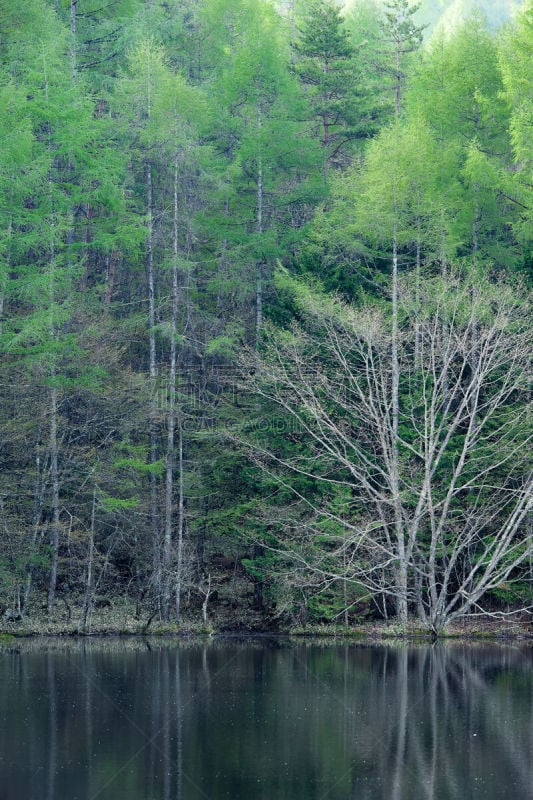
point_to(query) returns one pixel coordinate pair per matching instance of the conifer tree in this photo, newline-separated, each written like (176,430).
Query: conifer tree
(270,163)
(324,66)
(458,91)
(48,246)
(516,55)
(403,37)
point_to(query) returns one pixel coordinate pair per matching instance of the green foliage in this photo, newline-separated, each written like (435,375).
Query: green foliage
(325,67)
(516,54)
(112,504)
(153,468)
(251,155)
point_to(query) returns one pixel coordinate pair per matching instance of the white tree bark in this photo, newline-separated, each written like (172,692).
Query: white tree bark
(54,477)
(401,567)
(181,523)
(73,11)
(88,598)
(439,484)
(259,228)
(171,428)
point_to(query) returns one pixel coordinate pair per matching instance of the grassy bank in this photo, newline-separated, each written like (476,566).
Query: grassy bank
(473,628)
(124,619)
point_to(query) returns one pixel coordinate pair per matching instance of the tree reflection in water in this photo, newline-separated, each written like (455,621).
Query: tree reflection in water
(265,719)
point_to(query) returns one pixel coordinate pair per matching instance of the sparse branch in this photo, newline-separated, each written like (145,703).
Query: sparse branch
(458,486)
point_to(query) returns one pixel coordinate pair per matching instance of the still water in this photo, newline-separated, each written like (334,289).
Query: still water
(264,719)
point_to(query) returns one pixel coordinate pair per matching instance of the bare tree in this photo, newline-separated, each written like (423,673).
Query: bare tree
(425,489)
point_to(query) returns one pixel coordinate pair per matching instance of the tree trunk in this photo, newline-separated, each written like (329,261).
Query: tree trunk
(38,501)
(171,419)
(73,4)
(152,376)
(181,510)
(418,267)
(475,224)
(401,567)
(54,476)
(207,594)
(87,600)
(110,277)
(398,90)
(259,227)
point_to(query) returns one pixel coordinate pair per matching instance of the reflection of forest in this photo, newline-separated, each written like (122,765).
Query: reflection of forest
(457,724)
(266,720)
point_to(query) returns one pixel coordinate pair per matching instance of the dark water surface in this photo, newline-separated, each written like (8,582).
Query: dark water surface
(264,718)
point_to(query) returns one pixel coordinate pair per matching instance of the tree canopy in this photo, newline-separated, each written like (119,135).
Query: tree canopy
(264,274)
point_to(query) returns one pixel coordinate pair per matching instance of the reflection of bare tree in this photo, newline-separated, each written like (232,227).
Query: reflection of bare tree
(88,690)
(166,728)
(179,726)
(402,696)
(166,743)
(211,720)
(447,722)
(52,727)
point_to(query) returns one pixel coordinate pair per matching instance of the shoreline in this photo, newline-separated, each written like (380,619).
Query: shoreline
(467,629)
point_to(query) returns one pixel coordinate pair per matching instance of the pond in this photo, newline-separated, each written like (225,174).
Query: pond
(264,718)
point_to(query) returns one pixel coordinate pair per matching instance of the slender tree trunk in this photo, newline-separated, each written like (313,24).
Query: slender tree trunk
(87,600)
(293,30)
(259,227)
(207,594)
(401,569)
(475,249)
(181,519)
(345,590)
(54,528)
(73,4)
(150,270)
(3,277)
(111,264)
(395,366)
(38,501)
(398,91)
(326,136)
(54,476)
(73,57)
(530,547)
(171,421)
(475,224)
(418,269)
(154,517)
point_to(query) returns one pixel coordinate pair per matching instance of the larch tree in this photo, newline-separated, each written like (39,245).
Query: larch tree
(458,91)
(402,38)
(142,97)
(515,59)
(270,162)
(40,331)
(179,108)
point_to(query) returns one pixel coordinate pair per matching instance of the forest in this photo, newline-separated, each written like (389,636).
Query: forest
(265,274)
